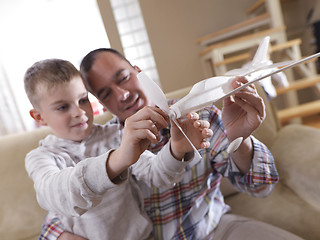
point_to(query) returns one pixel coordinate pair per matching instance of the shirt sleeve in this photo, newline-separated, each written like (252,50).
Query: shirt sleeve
(51,229)
(161,170)
(67,190)
(262,176)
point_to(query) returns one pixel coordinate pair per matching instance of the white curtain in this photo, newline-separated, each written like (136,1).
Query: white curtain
(10,117)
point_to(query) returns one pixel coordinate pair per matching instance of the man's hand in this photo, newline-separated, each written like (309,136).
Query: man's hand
(196,130)
(243,113)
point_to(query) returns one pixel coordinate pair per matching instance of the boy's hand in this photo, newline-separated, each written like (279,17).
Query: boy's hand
(142,128)
(70,236)
(196,130)
(139,130)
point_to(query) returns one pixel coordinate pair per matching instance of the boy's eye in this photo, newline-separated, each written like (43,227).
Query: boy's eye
(62,108)
(84,100)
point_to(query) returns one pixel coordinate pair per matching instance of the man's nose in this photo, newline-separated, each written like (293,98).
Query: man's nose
(122,94)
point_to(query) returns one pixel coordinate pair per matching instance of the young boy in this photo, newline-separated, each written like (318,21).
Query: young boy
(86,177)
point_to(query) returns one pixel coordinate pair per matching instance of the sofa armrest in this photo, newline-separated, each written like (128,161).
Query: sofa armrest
(297,158)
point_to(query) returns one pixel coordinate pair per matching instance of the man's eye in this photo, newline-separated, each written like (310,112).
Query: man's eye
(124,78)
(105,95)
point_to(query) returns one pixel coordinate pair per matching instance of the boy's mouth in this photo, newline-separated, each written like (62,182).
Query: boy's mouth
(81,124)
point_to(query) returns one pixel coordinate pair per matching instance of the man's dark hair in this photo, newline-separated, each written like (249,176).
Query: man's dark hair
(90,58)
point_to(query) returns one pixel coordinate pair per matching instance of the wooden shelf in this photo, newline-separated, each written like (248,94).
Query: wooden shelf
(300,84)
(302,110)
(246,56)
(260,34)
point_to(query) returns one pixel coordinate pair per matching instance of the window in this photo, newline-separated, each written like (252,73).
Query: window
(38,29)
(133,35)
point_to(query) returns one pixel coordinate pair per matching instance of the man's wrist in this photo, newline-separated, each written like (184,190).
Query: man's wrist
(176,154)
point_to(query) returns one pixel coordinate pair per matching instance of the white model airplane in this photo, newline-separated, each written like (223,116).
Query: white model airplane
(211,90)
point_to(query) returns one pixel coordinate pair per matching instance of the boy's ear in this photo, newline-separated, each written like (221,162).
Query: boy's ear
(36,115)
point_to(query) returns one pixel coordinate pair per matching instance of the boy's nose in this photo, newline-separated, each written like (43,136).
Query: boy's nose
(78,111)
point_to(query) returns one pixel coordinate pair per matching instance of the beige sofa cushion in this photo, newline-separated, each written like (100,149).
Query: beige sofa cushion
(283,208)
(297,148)
(21,216)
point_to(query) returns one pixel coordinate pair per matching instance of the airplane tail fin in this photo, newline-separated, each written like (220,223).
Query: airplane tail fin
(261,54)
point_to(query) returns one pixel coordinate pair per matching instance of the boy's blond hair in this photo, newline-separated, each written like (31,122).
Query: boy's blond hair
(47,74)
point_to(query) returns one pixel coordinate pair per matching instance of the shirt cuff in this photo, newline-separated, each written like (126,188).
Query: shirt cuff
(96,176)
(170,162)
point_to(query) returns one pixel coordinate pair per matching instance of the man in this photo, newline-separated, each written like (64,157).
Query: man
(194,208)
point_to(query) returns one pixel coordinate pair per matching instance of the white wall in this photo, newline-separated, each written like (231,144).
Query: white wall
(173,25)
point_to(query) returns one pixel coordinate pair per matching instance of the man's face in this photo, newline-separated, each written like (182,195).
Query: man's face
(114,82)
(67,110)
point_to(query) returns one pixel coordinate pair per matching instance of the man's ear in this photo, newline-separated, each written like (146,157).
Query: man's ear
(36,115)
(137,68)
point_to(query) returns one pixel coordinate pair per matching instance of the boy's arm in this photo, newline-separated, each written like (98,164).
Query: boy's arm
(166,168)
(69,189)
(65,188)
(140,130)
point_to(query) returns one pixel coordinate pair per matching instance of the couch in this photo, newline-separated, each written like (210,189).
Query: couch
(294,205)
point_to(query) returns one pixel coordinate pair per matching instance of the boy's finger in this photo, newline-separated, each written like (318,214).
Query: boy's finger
(152,113)
(148,125)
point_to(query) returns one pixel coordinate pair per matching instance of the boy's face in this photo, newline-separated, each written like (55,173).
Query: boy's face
(66,110)
(114,82)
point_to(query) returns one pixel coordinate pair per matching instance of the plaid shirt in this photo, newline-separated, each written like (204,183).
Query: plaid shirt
(192,209)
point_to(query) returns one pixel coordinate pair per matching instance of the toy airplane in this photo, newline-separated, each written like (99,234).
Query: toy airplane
(211,90)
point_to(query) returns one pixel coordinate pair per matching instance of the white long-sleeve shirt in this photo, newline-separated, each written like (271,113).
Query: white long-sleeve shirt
(71,182)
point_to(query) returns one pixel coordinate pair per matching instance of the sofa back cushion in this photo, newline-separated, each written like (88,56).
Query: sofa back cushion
(20,216)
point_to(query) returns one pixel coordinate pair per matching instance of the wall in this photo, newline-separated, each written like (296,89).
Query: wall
(110,24)
(295,17)
(173,25)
